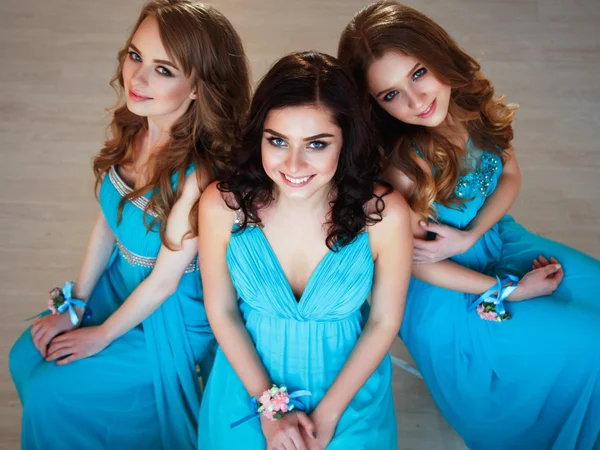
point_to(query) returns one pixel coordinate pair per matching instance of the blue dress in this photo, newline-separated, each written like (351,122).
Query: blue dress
(532,382)
(142,391)
(302,344)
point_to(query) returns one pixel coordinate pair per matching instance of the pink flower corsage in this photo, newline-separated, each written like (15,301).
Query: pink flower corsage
(487,311)
(56,300)
(273,403)
(62,300)
(490,305)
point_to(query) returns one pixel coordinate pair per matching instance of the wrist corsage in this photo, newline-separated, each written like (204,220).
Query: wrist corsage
(273,404)
(490,305)
(61,300)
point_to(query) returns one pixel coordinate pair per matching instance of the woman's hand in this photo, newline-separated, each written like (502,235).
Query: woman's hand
(324,430)
(542,280)
(288,433)
(449,241)
(77,344)
(47,328)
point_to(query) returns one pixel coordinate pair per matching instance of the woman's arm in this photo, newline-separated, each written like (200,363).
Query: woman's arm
(220,297)
(501,200)
(451,241)
(99,249)
(220,300)
(450,275)
(150,293)
(97,254)
(391,245)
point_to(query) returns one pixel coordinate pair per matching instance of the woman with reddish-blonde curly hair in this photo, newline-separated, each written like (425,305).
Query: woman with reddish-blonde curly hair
(117,369)
(532,382)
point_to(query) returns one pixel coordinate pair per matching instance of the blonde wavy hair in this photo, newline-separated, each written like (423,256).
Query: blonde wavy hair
(387,26)
(209,50)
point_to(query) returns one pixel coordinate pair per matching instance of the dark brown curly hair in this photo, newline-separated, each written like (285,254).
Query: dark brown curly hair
(311,78)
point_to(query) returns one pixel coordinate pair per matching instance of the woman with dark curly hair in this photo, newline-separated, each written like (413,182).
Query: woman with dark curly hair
(123,374)
(531,382)
(303,231)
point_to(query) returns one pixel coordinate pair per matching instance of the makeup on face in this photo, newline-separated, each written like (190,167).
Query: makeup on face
(300,149)
(154,84)
(407,90)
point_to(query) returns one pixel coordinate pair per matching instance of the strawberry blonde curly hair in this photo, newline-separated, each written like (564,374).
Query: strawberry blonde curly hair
(387,26)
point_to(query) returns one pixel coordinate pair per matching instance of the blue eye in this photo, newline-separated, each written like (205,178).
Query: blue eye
(164,71)
(317,145)
(134,56)
(389,96)
(419,73)
(277,142)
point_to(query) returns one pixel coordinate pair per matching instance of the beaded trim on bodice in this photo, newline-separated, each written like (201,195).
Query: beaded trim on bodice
(142,261)
(480,167)
(124,189)
(479,176)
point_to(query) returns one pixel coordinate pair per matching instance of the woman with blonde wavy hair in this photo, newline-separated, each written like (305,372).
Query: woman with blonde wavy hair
(117,369)
(524,383)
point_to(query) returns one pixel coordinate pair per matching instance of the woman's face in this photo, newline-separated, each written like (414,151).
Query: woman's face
(408,91)
(300,150)
(154,85)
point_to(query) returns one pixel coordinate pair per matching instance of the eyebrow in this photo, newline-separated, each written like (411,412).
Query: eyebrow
(311,138)
(157,61)
(410,72)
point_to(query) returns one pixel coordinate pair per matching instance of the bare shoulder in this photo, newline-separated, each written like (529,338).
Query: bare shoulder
(509,152)
(395,223)
(213,205)
(394,205)
(400,181)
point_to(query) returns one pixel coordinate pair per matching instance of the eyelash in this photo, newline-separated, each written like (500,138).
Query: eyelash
(134,56)
(160,69)
(389,96)
(166,73)
(322,145)
(272,141)
(415,76)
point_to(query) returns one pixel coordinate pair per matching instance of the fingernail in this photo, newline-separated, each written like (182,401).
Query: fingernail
(314,435)
(421,223)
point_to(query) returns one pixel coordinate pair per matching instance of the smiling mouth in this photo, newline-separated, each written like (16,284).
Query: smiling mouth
(430,109)
(137,97)
(296,181)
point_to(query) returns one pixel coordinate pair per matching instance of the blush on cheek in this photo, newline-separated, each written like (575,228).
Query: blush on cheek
(331,166)
(172,91)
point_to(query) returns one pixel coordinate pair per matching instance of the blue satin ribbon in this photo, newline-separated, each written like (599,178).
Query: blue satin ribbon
(69,302)
(68,305)
(293,404)
(501,294)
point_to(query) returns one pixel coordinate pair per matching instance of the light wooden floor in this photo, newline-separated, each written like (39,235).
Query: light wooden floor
(58,55)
